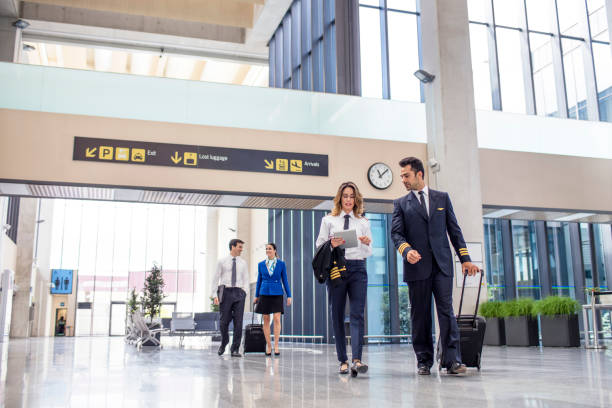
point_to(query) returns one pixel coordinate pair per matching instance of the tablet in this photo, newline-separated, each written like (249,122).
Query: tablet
(349,236)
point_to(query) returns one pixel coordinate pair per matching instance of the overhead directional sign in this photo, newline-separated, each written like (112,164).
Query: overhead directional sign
(199,157)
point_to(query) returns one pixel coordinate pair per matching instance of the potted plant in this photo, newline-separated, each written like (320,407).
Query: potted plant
(132,302)
(495,332)
(559,321)
(521,322)
(153,295)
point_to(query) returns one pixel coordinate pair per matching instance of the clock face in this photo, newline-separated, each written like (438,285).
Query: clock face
(380,176)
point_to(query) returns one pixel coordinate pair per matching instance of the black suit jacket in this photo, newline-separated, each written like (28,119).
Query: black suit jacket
(412,228)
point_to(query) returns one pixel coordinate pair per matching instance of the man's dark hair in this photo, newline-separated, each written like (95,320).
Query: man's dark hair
(415,164)
(234,242)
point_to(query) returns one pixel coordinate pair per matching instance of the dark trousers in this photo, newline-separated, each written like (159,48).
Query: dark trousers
(232,309)
(420,292)
(356,287)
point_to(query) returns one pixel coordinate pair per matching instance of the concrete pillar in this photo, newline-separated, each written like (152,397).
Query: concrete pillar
(609,12)
(24,282)
(10,40)
(451,118)
(211,251)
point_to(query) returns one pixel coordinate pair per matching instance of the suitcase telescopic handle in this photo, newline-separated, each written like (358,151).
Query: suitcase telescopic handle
(477,296)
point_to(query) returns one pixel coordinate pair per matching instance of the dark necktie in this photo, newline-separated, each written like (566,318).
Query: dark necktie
(346,221)
(422,198)
(233,272)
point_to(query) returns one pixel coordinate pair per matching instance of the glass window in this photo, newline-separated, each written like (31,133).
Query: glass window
(560,259)
(369,3)
(543,74)
(480,66)
(404,299)
(575,81)
(525,259)
(571,17)
(405,5)
(511,70)
(121,255)
(603,74)
(371,62)
(598,20)
(494,258)
(540,15)
(508,12)
(598,234)
(477,10)
(403,56)
(379,315)
(587,263)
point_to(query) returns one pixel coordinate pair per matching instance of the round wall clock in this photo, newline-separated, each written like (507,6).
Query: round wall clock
(380,176)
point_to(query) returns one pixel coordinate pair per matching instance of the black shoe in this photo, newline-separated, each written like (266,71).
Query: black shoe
(344,370)
(358,368)
(236,354)
(277,353)
(221,350)
(456,368)
(423,370)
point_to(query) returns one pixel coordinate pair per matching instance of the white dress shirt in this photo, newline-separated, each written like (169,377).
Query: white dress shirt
(223,274)
(426,196)
(332,224)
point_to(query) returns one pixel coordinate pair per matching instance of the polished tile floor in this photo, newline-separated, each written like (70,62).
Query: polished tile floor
(105,372)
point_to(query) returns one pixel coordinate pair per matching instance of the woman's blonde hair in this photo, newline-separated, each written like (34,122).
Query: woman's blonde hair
(357,208)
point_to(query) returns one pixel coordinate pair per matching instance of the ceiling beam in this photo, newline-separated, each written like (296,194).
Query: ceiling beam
(9,8)
(221,12)
(51,32)
(145,24)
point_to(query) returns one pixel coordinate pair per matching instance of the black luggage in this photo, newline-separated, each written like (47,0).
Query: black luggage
(471,333)
(254,339)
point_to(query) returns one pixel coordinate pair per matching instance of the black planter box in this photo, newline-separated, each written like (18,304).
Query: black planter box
(495,332)
(560,331)
(521,331)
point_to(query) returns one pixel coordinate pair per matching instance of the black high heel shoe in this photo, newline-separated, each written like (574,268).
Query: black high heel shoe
(268,354)
(358,368)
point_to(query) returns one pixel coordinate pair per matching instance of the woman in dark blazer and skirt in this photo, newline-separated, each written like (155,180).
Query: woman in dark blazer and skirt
(346,214)
(269,294)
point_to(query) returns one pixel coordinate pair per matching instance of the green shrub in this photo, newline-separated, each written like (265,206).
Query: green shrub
(557,305)
(520,307)
(491,309)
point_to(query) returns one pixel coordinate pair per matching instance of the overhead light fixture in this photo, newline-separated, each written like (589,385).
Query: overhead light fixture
(500,213)
(573,217)
(28,47)
(21,24)
(424,76)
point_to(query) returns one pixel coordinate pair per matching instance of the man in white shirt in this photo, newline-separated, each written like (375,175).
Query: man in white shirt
(231,282)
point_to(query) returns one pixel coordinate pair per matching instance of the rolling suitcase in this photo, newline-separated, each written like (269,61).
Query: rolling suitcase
(254,339)
(471,333)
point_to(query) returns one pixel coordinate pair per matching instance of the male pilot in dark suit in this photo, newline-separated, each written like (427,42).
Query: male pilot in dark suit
(421,220)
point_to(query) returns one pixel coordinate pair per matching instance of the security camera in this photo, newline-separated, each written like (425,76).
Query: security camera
(434,164)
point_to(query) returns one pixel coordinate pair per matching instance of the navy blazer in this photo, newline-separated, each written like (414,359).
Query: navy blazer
(271,285)
(412,228)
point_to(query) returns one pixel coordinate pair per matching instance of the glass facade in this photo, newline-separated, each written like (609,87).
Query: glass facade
(389,49)
(494,259)
(560,259)
(525,259)
(112,245)
(544,57)
(379,313)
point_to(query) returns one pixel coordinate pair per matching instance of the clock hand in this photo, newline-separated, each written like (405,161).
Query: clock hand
(379,175)
(383,173)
